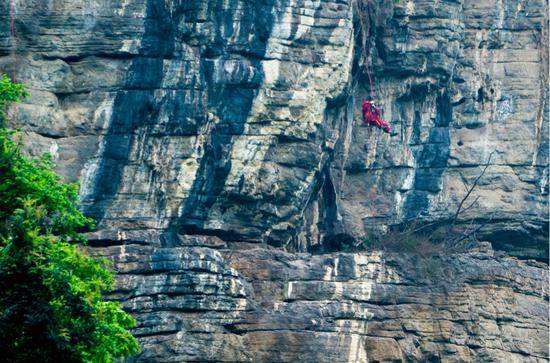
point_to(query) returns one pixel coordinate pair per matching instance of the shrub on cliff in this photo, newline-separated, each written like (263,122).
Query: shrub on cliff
(52,307)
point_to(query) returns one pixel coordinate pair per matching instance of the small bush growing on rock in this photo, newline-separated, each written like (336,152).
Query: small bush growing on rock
(426,251)
(52,307)
(407,241)
(432,239)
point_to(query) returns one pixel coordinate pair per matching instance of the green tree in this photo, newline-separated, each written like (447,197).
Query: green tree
(52,305)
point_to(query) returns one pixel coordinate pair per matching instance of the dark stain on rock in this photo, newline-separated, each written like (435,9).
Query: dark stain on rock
(431,159)
(232,103)
(134,108)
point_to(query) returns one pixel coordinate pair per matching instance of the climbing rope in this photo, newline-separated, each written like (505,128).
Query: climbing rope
(365,34)
(13,39)
(370,82)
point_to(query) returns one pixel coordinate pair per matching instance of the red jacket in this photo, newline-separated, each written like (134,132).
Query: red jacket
(371,116)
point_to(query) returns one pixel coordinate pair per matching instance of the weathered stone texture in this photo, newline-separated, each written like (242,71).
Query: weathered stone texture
(460,80)
(193,115)
(239,118)
(259,304)
(210,137)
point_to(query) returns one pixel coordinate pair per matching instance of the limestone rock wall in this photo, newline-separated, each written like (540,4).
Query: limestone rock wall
(465,84)
(206,301)
(205,117)
(240,119)
(213,138)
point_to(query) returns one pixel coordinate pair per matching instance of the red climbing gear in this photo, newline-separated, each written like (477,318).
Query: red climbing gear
(371,116)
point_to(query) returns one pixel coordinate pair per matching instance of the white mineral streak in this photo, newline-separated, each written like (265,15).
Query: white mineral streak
(102,116)
(289,290)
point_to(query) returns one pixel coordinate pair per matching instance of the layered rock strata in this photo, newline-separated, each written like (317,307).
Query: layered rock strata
(240,119)
(205,301)
(212,138)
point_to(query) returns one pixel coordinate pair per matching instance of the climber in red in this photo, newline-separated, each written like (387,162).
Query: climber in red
(371,116)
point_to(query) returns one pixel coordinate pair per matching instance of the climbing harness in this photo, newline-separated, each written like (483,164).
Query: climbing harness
(372,117)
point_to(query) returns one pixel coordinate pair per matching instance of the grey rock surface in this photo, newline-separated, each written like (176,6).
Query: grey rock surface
(210,137)
(465,83)
(240,119)
(251,303)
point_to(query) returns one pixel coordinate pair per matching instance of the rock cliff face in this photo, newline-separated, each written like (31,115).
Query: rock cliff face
(466,83)
(218,145)
(252,304)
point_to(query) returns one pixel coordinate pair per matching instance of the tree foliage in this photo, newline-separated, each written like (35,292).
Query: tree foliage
(52,305)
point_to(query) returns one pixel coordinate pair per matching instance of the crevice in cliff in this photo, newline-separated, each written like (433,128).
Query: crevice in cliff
(332,236)
(322,229)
